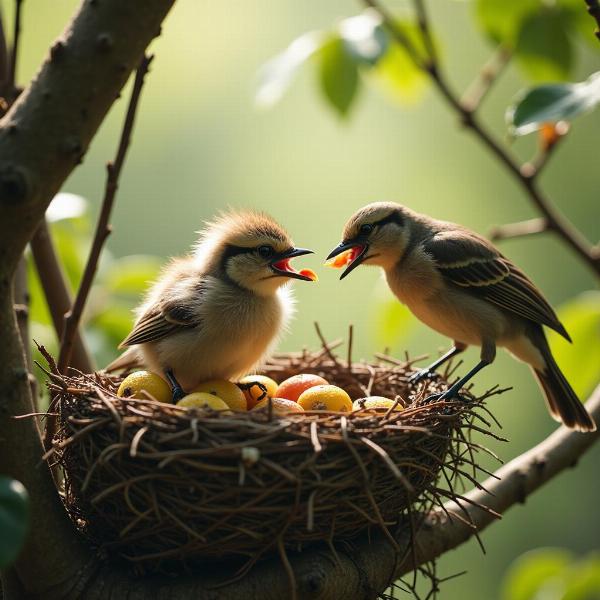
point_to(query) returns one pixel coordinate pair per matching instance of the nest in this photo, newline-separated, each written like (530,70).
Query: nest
(164,487)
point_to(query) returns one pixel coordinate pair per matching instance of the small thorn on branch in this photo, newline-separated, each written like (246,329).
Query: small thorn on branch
(520,229)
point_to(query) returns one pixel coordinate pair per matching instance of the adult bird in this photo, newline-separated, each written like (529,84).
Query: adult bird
(456,282)
(216,313)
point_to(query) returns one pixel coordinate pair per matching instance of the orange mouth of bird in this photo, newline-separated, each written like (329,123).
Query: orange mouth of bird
(345,258)
(349,255)
(284,267)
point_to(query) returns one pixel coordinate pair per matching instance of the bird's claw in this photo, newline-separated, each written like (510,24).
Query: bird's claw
(178,394)
(176,390)
(447,395)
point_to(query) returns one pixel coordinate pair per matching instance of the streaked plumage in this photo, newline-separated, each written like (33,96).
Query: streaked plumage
(459,284)
(216,312)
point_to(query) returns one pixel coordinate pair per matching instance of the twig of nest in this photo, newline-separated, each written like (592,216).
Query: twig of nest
(164,487)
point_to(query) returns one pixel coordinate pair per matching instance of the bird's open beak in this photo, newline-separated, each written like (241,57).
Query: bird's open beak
(347,254)
(281,265)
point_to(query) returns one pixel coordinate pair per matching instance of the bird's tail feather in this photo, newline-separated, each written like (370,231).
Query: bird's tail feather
(563,403)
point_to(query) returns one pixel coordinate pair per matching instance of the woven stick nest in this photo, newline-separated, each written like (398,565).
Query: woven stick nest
(165,487)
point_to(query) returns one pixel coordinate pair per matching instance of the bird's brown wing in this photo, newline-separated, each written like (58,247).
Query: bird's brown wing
(469,261)
(162,321)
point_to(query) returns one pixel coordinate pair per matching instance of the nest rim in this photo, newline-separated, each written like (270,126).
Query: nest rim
(312,432)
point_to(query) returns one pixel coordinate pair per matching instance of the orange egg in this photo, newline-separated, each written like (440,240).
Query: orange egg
(292,387)
(279,406)
(257,388)
(376,402)
(226,391)
(325,397)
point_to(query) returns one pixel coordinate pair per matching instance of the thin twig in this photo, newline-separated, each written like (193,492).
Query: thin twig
(550,136)
(57,293)
(398,33)
(512,230)
(557,222)
(423,24)
(12,69)
(3,66)
(73,317)
(482,84)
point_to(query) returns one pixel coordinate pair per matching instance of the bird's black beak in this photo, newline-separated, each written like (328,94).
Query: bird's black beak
(281,265)
(356,252)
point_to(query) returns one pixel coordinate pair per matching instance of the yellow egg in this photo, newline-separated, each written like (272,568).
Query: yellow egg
(145,385)
(325,397)
(375,402)
(280,406)
(226,391)
(203,400)
(254,392)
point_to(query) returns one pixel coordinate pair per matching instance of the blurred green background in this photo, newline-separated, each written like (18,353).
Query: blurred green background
(201,145)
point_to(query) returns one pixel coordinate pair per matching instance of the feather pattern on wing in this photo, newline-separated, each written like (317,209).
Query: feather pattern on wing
(161,321)
(471,262)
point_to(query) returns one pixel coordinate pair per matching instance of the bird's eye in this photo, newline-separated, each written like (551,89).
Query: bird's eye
(266,251)
(366,229)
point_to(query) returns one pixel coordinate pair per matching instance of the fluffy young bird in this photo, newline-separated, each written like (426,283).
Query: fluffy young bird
(459,284)
(216,312)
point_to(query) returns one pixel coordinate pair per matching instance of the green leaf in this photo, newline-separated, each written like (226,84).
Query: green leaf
(278,73)
(115,322)
(14,519)
(551,103)
(398,77)
(131,275)
(534,571)
(580,22)
(364,36)
(584,580)
(579,361)
(501,20)
(393,322)
(543,49)
(338,74)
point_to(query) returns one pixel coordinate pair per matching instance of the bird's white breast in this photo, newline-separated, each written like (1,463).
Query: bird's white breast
(236,331)
(452,312)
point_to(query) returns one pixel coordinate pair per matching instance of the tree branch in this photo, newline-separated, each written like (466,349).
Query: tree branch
(3,66)
(12,69)
(529,227)
(73,316)
(557,222)
(511,485)
(594,10)
(56,292)
(365,569)
(482,84)
(48,130)
(42,138)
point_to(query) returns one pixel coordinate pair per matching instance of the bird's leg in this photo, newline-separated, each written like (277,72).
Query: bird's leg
(488,354)
(430,370)
(176,389)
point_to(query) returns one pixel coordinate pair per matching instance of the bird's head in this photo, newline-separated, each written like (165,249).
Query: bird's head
(377,234)
(252,250)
